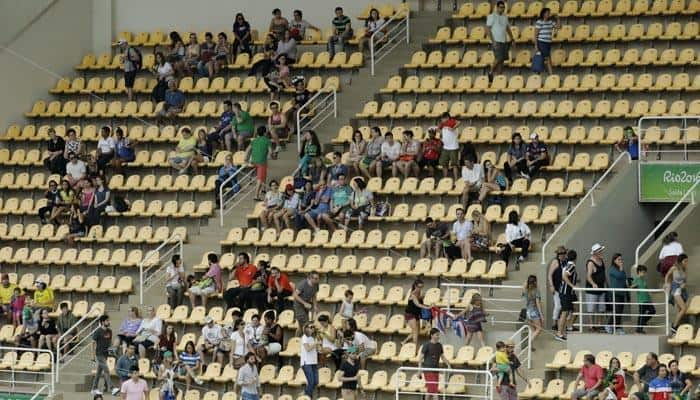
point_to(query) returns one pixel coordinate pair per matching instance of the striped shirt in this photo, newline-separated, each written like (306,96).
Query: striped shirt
(190,360)
(545,30)
(570,270)
(340,24)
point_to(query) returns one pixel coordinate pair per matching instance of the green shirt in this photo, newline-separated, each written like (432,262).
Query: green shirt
(340,24)
(244,123)
(310,149)
(185,147)
(641,283)
(259,148)
(341,196)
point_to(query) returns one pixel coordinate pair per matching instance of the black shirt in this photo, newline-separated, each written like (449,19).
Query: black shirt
(431,354)
(598,276)
(556,274)
(51,198)
(56,145)
(647,373)
(440,230)
(514,365)
(48,328)
(103,339)
(565,288)
(301,98)
(349,370)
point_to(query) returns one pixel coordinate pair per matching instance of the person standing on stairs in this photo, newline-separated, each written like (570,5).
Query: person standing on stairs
(567,294)
(554,279)
(596,278)
(102,339)
(498,29)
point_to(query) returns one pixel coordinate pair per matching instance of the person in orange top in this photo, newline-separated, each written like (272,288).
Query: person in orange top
(244,273)
(278,289)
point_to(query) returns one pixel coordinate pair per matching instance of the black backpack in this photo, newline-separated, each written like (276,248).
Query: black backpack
(138,62)
(120,205)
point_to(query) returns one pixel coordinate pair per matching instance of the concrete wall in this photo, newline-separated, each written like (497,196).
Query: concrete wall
(50,46)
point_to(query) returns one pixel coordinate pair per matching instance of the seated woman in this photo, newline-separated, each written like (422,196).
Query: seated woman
(320,207)
(184,151)
(493,180)
(517,236)
(373,24)
(76,224)
(481,232)
(361,203)
(410,149)
(125,152)
(128,329)
(203,151)
(149,331)
(273,203)
(66,195)
(290,203)
(277,126)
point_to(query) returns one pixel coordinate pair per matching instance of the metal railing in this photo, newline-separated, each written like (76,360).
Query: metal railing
(392,36)
(520,342)
(690,192)
(228,200)
(150,272)
(27,378)
(503,310)
(41,390)
(80,338)
(589,193)
(611,313)
(415,384)
(317,111)
(683,130)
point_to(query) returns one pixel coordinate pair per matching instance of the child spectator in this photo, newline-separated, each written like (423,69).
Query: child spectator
(503,365)
(17,305)
(449,156)
(347,308)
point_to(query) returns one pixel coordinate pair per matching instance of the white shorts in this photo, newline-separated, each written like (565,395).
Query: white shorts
(595,302)
(273,348)
(197,291)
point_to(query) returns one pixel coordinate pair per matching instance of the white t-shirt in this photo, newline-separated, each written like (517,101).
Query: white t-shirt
(151,327)
(212,335)
(391,151)
(514,232)
(671,249)
(498,24)
(170,270)
(361,339)
(164,70)
(308,357)
(450,139)
(76,170)
(253,334)
(475,175)
(239,347)
(462,229)
(106,145)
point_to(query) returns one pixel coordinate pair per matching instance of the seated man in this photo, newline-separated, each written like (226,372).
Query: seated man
(212,342)
(389,157)
(340,202)
(473,177)
(278,289)
(430,152)
(184,151)
(332,172)
(320,207)
(537,155)
(244,273)
(76,170)
(436,233)
(221,131)
(174,102)
(242,127)
(342,31)
(225,172)
(462,229)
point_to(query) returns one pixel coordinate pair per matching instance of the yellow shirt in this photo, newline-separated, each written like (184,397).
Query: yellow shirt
(44,298)
(185,147)
(502,357)
(6,293)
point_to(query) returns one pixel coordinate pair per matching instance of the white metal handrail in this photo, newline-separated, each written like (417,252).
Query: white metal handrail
(484,390)
(683,129)
(331,94)
(691,193)
(524,344)
(36,379)
(502,304)
(245,177)
(589,193)
(148,280)
(41,390)
(392,38)
(581,313)
(81,336)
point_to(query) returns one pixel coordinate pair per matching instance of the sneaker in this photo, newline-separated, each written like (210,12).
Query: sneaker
(620,331)
(95,392)
(524,175)
(198,381)
(560,338)
(115,391)
(609,329)
(554,327)
(521,259)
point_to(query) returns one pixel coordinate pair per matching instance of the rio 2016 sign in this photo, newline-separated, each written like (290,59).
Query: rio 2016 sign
(666,182)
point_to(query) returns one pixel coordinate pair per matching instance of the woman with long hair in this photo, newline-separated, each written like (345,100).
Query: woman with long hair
(358,150)
(277,126)
(517,236)
(617,279)
(493,180)
(614,382)
(191,365)
(533,306)
(675,283)
(127,330)
(192,52)
(516,162)
(373,24)
(163,71)
(168,340)
(474,315)
(413,310)
(241,36)
(361,203)
(310,152)
(374,150)
(177,52)
(481,232)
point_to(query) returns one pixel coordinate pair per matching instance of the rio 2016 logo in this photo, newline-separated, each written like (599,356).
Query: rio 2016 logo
(680,177)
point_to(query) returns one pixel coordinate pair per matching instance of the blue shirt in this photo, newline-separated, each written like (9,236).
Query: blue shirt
(174,98)
(225,120)
(190,360)
(633,148)
(334,171)
(225,172)
(617,278)
(534,150)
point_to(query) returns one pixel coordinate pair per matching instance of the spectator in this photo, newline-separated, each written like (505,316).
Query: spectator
(65,321)
(239,344)
(340,202)
(174,103)
(133,61)
(537,156)
(212,335)
(308,195)
(134,388)
(462,229)
(554,271)
(43,298)
(17,304)
(226,171)
(125,362)
(374,150)
(209,284)
(310,154)
(128,330)
(73,144)
(248,379)
(164,72)
(533,307)
(177,52)
(244,273)
(287,46)
(374,25)
(300,98)
(474,316)
(243,128)
(277,80)
(389,156)
(347,308)
(29,332)
(87,196)
(192,52)
(278,24)
(242,36)
(276,125)
(309,358)
(614,381)
(221,53)
(407,162)
(207,51)
(517,162)
(258,152)
(675,283)
(223,132)
(544,30)
(498,29)
(596,278)
(669,253)
(493,180)
(517,236)
(48,334)
(65,198)
(473,177)
(481,232)
(305,300)
(76,170)
(511,391)
(124,150)
(102,197)
(660,387)
(253,332)
(278,289)
(102,338)
(646,309)
(361,203)
(592,376)
(449,155)
(273,203)
(332,174)
(299,25)
(149,331)
(76,224)
(175,281)
(630,143)
(350,379)
(320,207)
(364,346)
(55,162)
(203,151)
(191,365)
(437,233)
(413,311)
(648,372)
(567,294)
(618,280)
(430,355)
(257,297)
(679,381)
(342,31)
(290,202)
(430,155)
(330,340)
(167,340)
(92,168)
(52,198)
(272,337)
(358,151)
(184,152)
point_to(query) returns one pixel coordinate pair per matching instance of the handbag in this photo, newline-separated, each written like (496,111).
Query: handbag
(523,315)
(538,62)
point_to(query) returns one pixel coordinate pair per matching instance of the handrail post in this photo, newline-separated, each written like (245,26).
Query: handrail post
(331,91)
(666,311)
(614,327)
(173,237)
(221,191)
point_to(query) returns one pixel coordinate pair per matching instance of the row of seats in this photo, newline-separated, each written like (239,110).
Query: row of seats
(322,60)
(132,109)
(581,33)
(92,284)
(88,256)
(530,108)
(165,183)
(159,158)
(555,389)
(685,333)
(588,8)
(402,212)
(217,85)
(91,132)
(96,234)
(561,58)
(26,362)
(535,83)
(566,360)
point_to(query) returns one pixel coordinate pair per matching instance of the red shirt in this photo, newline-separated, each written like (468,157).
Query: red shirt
(591,375)
(244,274)
(431,149)
(283,281)
(450,123)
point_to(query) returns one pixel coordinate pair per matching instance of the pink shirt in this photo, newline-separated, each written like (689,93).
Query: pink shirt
(214,272)
(135,390)
(591,375)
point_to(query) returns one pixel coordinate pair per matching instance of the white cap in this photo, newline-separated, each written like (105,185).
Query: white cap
(597,248)
(208,319)
(533,136)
